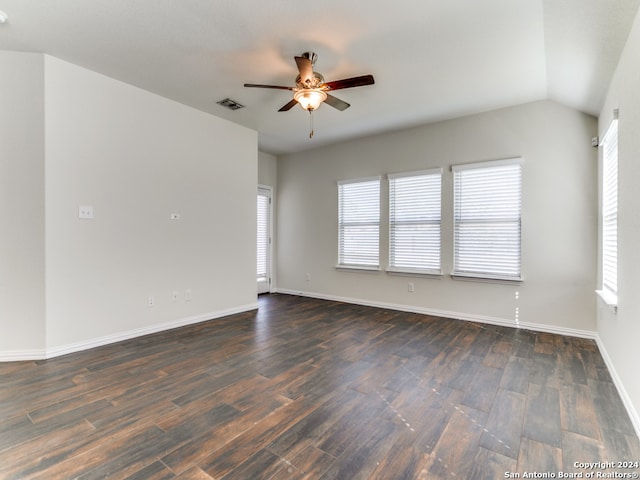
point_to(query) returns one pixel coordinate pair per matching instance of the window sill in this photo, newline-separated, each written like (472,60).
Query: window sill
(408,272)
(360,268)
(609,299)
(487,279)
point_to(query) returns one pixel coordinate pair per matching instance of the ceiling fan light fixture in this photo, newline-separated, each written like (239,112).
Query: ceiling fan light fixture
(310,99)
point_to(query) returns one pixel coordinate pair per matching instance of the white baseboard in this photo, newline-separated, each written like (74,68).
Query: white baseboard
(118,337)
(633,414)
(22,355)
(505,322)
(624,396)
(25,355)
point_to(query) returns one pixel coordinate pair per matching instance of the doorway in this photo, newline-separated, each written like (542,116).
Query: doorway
(264,239)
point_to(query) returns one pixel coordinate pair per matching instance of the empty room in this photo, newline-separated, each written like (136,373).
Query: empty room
(334,240)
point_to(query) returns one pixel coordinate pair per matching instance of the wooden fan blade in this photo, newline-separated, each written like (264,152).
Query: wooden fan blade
(278,87)
(336,103)
(351,82)
(306,69)
(288,106)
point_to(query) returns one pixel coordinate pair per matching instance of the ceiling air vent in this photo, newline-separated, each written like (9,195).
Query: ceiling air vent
(230,104)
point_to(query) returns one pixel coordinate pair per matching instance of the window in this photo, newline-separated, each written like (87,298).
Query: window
(359,223)
(263,251)
(609,222)
(487,219)
(414,221)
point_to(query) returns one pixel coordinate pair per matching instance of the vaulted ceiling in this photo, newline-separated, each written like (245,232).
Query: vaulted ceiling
(431,59)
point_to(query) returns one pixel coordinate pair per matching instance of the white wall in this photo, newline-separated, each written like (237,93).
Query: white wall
(619,334)
(267,169)
(135,157)
(22,290)
(559,217)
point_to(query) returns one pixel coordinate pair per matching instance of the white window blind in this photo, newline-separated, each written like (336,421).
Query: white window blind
(610,212)
(414,221)
(263,236)
(487,219)
(359,223)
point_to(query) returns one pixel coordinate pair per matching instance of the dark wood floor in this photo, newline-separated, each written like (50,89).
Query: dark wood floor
(307,388)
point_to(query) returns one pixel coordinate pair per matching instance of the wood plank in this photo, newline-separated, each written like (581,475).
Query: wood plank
(609,407)
(257,437)
(22,459)
(481,392)
(309,428)
(263,464)
(490,465)
(308,388)
(538,457)
(578,448)
(577,411)
(405,459)
(200,448)
(503,430)
(125,454)
(456,449)
(308,464)
(516,375)
(498,354)
(360,458)
(351,426)
(194,473)
(542,415)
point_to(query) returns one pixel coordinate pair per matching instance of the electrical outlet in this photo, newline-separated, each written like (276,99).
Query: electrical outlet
(85,212)
(174,297)
(411,287)
(187,295)
(308,277)
(151,301)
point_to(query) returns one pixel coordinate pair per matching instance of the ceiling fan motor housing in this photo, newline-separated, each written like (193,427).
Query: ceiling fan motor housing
(317,81)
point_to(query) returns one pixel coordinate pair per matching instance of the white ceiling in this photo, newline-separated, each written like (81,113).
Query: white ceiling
(431,59)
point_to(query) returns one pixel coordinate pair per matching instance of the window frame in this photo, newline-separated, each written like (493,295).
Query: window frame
(498,217)
(609,183)
(429,197)
(342,186)
(264,233)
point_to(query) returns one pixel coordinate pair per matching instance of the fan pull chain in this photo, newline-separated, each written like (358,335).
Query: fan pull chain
(310,124)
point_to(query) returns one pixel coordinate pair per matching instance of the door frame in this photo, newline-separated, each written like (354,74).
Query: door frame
(267,191)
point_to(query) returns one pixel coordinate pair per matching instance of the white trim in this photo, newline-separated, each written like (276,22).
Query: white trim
(366,268)
(487,278)
(470,317)
(624,396)
(22,355)
(418,173)
(53,352)
(414,272)
(118,337)
(30,355)
(609,299)
(358,180)
(271,273)
(489,163)
(536,327)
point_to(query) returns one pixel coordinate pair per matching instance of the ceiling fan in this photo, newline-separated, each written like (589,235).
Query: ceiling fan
(311,90)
